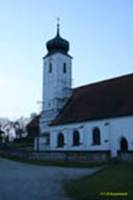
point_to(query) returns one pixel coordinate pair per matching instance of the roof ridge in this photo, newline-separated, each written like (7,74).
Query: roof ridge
(100,100)
(104,81)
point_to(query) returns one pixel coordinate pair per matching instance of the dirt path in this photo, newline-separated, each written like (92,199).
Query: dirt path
(19,181)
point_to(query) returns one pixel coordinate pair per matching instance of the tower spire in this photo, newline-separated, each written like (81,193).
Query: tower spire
(58,26)
(58,44)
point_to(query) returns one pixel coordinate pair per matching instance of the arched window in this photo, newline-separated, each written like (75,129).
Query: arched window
(64,67)
(50,67)
(60,140)
(76,138)
(96,136)
(123,144)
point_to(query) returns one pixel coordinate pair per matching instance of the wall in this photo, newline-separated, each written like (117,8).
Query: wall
(71,156)
(125,156)
(67,156)
(55,82)
(111,132)
(56,87)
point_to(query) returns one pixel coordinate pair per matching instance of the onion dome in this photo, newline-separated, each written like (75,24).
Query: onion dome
(57,44)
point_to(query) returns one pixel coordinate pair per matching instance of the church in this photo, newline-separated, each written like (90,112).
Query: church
(97,117)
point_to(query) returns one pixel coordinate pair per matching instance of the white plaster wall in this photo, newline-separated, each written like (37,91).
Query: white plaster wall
(54,93)
(55,82)
(121,127)
(111,132)
(42,144)
(85,130)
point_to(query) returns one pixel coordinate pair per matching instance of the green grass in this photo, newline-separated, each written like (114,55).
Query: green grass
(114,178)
(22,143)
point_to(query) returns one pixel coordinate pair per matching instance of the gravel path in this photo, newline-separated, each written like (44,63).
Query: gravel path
(19,181)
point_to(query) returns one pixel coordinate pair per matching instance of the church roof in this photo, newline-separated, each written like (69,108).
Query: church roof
(34,123)
(101,100)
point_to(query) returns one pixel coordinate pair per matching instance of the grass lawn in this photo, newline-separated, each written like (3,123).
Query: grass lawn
(22,143)
(113,182)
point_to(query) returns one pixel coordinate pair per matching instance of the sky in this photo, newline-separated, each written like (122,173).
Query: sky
(100,33)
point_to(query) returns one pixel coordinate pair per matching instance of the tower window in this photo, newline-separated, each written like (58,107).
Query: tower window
(50,67)
(64,67)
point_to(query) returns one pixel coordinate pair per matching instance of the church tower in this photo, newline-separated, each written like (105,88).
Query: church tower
(57,80)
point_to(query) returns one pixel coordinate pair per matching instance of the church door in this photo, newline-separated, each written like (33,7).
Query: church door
(123,144)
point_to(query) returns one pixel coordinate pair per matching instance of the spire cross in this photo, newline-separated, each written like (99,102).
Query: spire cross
(58,21)
(58,26)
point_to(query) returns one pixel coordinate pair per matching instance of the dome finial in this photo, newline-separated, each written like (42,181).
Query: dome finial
(58,44)
(58,26)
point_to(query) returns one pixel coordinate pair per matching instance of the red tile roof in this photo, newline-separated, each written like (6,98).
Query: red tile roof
(34,123)
(105,99)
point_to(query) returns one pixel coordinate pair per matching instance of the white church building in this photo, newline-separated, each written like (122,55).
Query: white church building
(97,117)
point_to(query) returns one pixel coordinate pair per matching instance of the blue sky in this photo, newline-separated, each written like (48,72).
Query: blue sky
(100,33)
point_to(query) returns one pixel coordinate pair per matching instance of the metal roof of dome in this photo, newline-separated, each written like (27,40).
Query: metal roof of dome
(57,44)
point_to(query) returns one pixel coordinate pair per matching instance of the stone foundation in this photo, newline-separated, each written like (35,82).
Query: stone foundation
(71,156)
(125,156)
(67,156)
